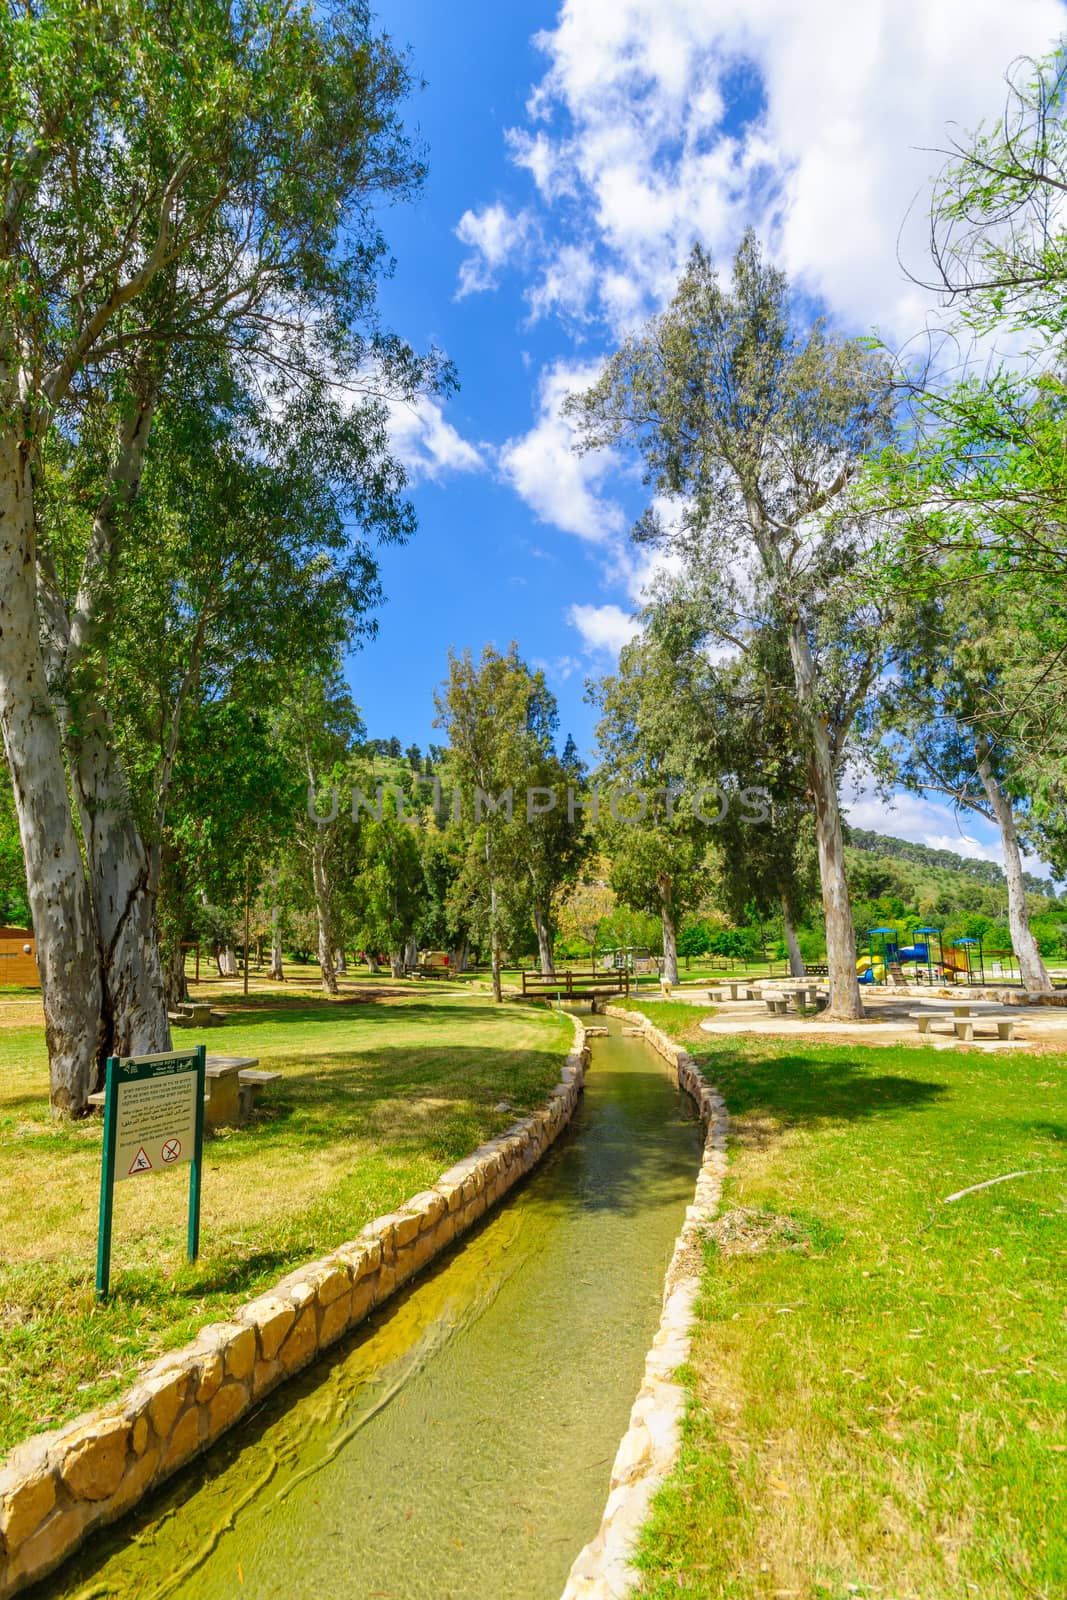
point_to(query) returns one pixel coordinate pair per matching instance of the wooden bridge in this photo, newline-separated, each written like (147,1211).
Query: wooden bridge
(576,985)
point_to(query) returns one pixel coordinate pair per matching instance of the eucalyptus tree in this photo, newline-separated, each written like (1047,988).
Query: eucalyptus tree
(655,836)
(514,795)
(389,888)
(752,426)
(936,717)
(321,732)
(174,179)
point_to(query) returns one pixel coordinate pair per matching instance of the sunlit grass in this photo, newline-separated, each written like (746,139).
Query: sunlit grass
(377,1098)
(883,1413)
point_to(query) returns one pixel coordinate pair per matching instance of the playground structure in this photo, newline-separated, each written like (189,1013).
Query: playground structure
(887,956)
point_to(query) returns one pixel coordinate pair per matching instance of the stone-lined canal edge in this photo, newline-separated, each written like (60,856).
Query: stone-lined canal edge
(58,1487)
(651,1445)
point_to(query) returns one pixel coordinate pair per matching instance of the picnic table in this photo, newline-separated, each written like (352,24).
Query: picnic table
(801,994)
(963,1014)
(742,990)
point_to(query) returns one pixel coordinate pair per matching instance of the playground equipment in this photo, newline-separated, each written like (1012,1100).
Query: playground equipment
(964,959)
(883,953)
(921,952)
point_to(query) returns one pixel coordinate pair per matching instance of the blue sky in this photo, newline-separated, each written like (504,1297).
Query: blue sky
(575,152)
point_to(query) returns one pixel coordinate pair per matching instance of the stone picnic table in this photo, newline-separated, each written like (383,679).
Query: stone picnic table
(778,998)
(963,1014)
(231,1085)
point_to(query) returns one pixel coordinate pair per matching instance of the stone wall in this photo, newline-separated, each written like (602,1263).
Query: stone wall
(651,1444)
(57,1487)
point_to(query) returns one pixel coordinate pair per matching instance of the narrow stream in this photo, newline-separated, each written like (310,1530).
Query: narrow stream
(458,1445)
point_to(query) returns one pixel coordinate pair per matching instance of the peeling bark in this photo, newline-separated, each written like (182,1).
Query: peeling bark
(60,905)
(845,999)
(1032,968)
(797,969)
(277,966)
(670,932)
(544,942)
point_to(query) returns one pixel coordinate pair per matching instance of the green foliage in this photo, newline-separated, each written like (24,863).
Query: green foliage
(14,907)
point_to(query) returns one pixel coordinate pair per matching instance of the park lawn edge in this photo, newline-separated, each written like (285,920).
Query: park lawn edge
(57,1488)
(48,1311)
(776,1490)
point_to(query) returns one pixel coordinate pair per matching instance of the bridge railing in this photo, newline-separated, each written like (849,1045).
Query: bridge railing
(571,982)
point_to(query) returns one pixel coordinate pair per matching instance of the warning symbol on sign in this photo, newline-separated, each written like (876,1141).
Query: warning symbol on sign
(171,1150)
(140,1162)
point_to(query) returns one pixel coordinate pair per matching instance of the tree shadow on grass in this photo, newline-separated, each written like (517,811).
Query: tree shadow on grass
(391,1096)
(1057,1131)
(795,1088)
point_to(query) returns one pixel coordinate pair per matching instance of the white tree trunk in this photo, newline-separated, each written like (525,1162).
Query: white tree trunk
(797,968)
(226,962)
(845,999)
(67,953)
(670,936)
(121,878)
(544,943)
(122,892)
(320,880)
(277,967)
(175,985)
(1032,968)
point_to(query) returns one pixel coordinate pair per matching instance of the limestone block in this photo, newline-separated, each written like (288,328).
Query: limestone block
(272,1319)
(47,1547)
(95,1458)
(363,1297)
(211,1371)
(25,1505)
(134,1484)
(265,1375)
(385,1283)
(301,1343)
(139,1435)
(430,1206)
(241,1354)
(184,1441)
(404,1230)
(335,1319)
(230,1402)
(333,1284)
(168,1392)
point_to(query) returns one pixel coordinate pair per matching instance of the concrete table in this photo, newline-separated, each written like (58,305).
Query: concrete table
(222,1076)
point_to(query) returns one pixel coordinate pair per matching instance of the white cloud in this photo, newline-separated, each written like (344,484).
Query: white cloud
(635,134)
(568,284)
(494,235)
(559,486)
(427,444)
(604,629)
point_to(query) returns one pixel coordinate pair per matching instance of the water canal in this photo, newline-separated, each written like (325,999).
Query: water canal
(458,1445)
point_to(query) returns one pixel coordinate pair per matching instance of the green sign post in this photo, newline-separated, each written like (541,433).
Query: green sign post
(153,1120)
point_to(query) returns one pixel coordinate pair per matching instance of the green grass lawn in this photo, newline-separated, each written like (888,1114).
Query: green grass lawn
(378,1097)
(878,1379)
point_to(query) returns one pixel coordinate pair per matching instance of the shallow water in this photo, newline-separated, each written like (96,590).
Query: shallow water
(458,1445)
